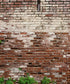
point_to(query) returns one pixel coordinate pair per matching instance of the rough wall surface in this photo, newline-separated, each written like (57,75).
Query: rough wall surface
(37,42)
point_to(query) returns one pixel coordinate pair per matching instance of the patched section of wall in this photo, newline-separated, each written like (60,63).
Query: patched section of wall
(30,22)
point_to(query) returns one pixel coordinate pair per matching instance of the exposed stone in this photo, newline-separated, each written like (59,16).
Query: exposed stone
(6,48)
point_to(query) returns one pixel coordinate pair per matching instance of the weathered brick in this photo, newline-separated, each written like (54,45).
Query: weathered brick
(36,41)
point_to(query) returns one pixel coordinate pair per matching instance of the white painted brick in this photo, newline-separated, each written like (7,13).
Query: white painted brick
(6,48)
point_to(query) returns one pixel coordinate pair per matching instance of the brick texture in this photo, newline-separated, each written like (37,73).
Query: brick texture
(38,42)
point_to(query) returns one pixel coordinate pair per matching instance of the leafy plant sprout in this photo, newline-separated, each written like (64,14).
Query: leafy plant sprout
(10,81)
(1,80)
(0,41)
(27,80)
(20,69)
(46,80)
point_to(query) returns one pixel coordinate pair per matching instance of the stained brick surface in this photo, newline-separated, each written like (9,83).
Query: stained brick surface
(36,41)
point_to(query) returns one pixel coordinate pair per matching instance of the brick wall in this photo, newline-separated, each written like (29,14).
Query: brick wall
(36,41)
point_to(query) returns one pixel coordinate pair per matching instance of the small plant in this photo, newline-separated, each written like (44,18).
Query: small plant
(27,80)
(46,80)
(20,69)
(10,81)
(1,80)
(0,41)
